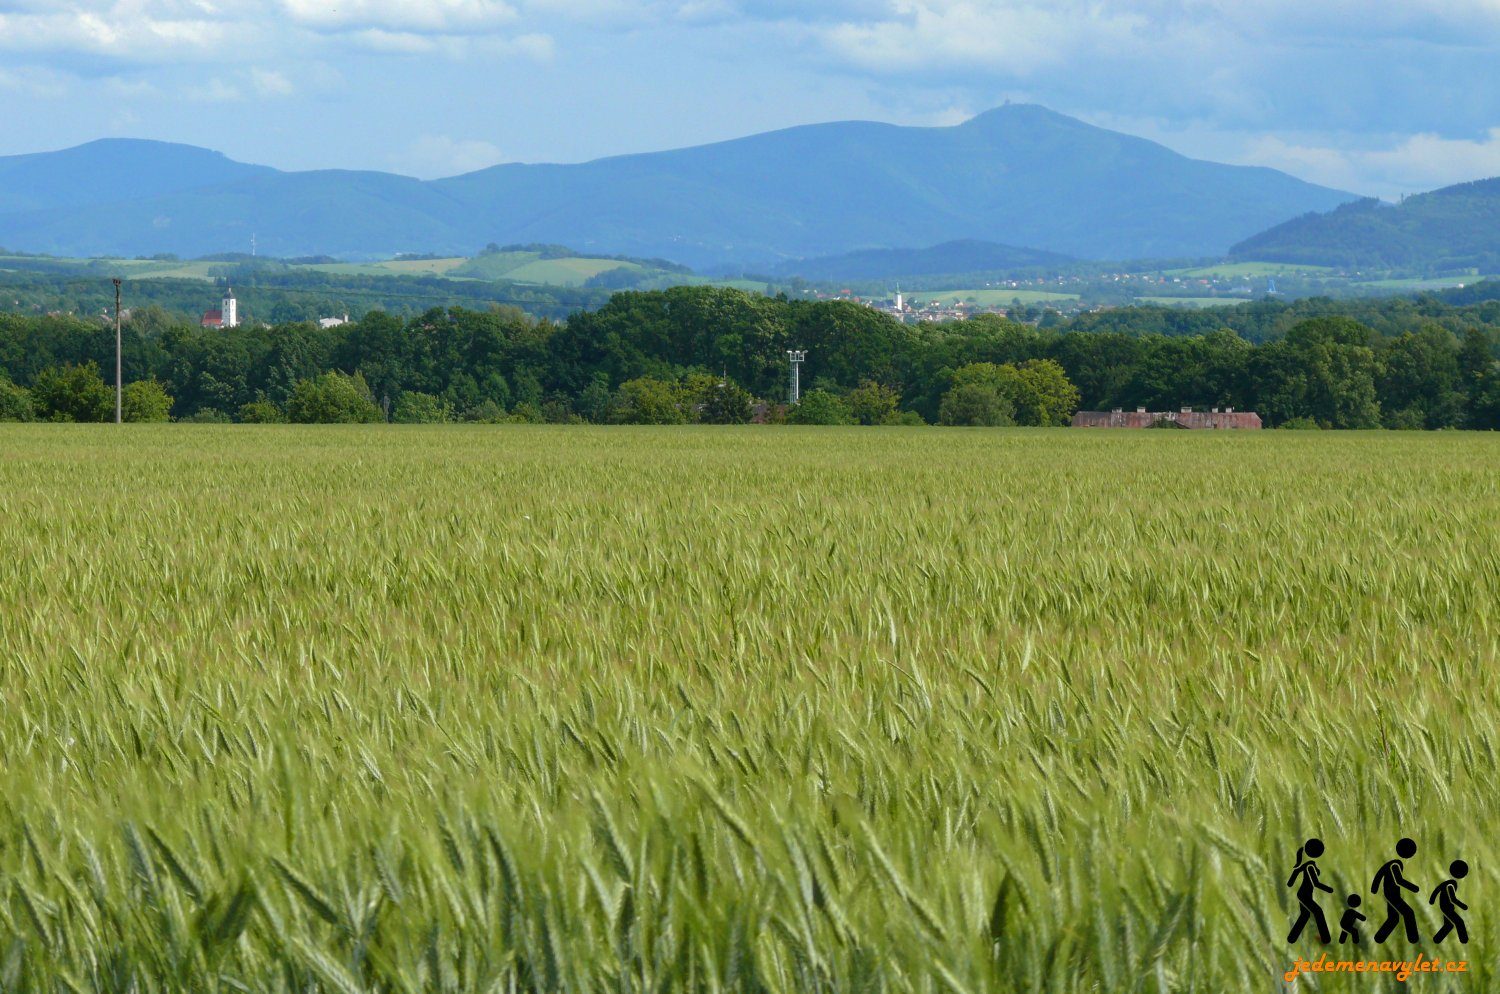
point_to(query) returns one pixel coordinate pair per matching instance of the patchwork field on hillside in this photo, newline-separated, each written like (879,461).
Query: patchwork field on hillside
(530,708)
(533,267)
(390,267)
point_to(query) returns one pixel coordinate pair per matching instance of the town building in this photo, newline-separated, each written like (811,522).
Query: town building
(1228,418)
(228,314)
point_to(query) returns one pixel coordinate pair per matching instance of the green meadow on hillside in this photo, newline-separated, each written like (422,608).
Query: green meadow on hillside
(390,267)
(533,267)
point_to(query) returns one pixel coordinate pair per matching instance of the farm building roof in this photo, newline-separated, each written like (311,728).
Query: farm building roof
(1186,418)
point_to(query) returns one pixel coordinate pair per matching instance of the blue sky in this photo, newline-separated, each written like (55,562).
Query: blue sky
(1380,98)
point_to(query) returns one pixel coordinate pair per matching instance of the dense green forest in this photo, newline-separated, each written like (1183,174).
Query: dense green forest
(707,353)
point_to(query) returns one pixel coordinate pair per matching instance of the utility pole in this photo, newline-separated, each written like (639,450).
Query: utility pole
(797,357)
(119,365)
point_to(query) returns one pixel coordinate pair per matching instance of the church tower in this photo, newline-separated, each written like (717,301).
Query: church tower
(230,309)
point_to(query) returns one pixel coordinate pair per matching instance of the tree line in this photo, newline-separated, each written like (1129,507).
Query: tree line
(718,355)
(272,291)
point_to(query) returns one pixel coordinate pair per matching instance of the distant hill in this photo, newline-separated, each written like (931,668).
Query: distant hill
(964,256)
(1019,175)
(111,171)
(331,212)
(1452,229)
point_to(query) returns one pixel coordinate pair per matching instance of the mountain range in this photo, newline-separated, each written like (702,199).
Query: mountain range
(1453,229)
(1019,175)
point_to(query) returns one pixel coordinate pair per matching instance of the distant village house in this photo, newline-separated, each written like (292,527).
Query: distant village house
(1228,418)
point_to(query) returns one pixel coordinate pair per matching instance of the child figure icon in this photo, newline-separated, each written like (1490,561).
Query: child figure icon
(1349,923)
(1445,895)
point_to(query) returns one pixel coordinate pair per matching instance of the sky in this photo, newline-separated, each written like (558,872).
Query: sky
(1379,98)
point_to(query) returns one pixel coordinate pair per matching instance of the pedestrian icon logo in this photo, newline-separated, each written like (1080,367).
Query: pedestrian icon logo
(1446,898)
(1392,885)
(1349,924)
(1306,871)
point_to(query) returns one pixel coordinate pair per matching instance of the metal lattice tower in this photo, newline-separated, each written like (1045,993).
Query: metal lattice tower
(797,357)
(119,362)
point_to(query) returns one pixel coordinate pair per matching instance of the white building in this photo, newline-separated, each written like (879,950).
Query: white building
(228,314)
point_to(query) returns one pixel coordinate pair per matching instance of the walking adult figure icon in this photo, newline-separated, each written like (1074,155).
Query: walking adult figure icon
(1446,896)
(1307,871)
(1390,883)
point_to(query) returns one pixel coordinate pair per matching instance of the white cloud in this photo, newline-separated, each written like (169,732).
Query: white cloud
(128,30)
(1411,165)
(537,47)
(1017,37)
(1351,20)
(189,31)
(614,13)
(1022,37)
(435,156)
(32,81)
(422,16)
(214,91)
(130,88)
(394,42)
(270,83)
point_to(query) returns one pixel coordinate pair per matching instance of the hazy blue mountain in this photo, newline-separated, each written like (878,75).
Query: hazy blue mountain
(1455,228)
(110,171)
(964,256)
(1020,175)
(355,214)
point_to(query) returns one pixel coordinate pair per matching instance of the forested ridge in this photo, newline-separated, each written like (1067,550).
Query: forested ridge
(1447,230)
(707,354)
(273,291)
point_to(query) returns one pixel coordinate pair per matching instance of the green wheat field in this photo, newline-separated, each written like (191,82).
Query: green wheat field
(515,708)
